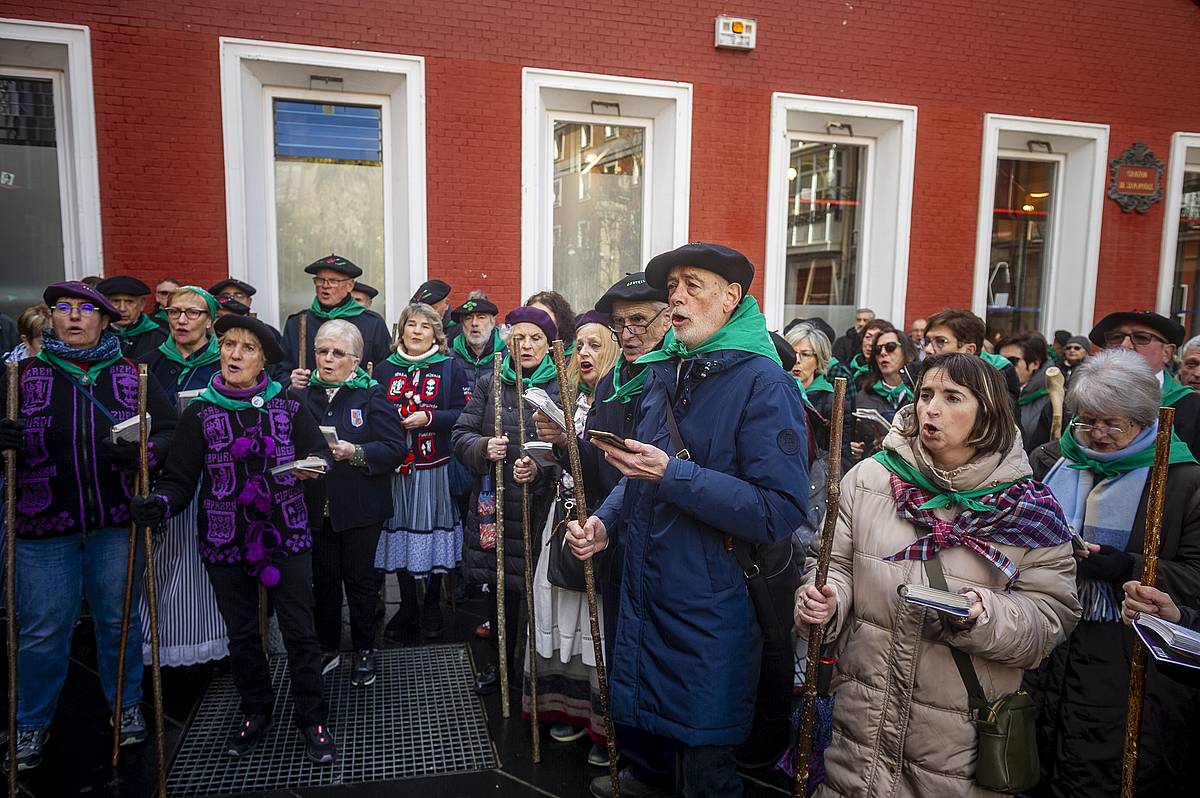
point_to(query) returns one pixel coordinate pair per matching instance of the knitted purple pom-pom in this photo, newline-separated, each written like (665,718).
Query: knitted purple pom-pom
(269,576)
(241,447)
(254,552)
(268,446)
(248,493)
(263,503)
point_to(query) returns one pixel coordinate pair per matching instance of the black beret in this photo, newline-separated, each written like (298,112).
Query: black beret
(630,288)
(229,282)
(265,335)
(785,351)
(366,289)
(79,290)
(123,284)
(1171,330)
(233,306)
(474,306)
(335,263)
(729,263)
(816,321)
(432,291)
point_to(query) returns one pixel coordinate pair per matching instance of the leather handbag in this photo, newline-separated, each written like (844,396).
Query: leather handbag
(1007,758)
(562,569)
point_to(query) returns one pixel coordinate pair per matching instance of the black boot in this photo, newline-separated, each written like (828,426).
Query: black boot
(404,623)
(431,611)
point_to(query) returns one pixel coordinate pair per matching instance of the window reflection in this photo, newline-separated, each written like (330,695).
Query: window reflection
(1021,228)
(1185,299)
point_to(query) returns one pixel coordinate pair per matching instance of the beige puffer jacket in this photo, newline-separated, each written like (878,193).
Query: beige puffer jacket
(901,725)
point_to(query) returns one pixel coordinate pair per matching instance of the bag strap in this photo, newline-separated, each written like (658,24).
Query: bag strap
(681,451)
(976,698)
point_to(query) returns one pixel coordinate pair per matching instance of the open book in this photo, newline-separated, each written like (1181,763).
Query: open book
(1168,642)
(315,465)
(186,397)
(541,453)
(873,419)
(954,604)
(542,402)
(129,430)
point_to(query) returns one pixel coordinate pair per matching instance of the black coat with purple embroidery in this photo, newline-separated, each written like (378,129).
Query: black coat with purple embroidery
(230,453)
(67,483)
(357,496)
(441,391)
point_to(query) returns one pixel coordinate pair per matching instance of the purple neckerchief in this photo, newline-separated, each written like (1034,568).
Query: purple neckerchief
(243,394)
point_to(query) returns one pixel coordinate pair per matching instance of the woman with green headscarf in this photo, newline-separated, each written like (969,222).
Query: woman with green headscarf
(190,356)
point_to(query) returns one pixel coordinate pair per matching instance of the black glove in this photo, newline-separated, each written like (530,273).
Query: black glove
(12,433)
(1108,564)
(124,454)
(148,510)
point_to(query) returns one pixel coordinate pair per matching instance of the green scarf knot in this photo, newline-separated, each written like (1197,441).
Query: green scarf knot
(213,396)
(819,385)
(541,375)
(894,396)
(996,360)
(942,497)
(360,379)
(145,324)
(459,345)
(348,308)
(1070,449)
(205,355)
(858,367)
(625,391)
(85,377)
(746,331)
(401,359)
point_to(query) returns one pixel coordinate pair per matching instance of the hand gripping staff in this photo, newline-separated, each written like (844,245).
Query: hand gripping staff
(10,577)
(531,635)
(1137,666)
(833,492)
(567,396)
(498,412)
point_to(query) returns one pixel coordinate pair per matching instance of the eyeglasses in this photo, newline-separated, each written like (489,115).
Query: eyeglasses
(337,353)
(1116,338)
(191,313)
(806,353)
(616,325)
(1077,347)
(889,347)
(939,342)
(1080,425)
(66,308)
(329,282)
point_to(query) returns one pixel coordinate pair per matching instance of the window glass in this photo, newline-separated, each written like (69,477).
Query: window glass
(824,227)
(598,189)
(328,194)
(1021,228)
(1185,298)
(31,233)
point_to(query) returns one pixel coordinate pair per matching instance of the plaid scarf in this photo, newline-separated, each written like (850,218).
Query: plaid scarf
(1025,514)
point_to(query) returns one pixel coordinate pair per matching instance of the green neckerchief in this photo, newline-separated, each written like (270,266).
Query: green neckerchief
(894,396)
(858,366)
(1032,396)
(1069,447)
(398,358)
(585,389)
(624,392)
(459,345)
(361,379)
(995,360)
(1172,391)
(87,377)
(160,316)
(540,376)
(746,331)
(145,324)
(819,385)
(941,496)
(213,396)
(209,353)
(349,307)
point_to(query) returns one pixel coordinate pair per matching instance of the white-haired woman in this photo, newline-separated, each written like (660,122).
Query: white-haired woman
(814,356)
(348,507)
(1099,471)
(428,388)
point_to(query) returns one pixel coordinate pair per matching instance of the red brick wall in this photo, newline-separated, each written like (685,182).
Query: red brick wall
(158,110)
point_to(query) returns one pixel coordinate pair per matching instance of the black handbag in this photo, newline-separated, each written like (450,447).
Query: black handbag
(562,569)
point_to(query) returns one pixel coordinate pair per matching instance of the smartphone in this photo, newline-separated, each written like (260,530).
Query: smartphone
(615,441)
(1079,543)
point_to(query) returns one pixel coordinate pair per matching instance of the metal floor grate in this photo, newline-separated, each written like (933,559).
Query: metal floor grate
(420,718)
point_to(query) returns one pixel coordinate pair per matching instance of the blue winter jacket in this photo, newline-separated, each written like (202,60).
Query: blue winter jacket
(685,663)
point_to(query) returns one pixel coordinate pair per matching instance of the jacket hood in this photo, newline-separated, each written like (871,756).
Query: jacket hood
(992,469)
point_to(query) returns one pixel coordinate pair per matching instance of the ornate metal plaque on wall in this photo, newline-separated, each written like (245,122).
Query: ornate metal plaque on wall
(1135,181)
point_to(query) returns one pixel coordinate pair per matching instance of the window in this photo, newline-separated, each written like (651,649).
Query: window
(1023,220)
(1037,242)
(1179,270)
(601,192)
(49,184)
(309,171)
(839,199)
(329,191)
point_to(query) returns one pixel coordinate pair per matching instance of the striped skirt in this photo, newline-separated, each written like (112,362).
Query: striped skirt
(190,629)
(424,534)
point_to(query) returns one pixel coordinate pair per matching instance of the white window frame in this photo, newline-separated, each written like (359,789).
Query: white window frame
(882,281)
(1185,157)
(551,95)
(75,132)
(251,71)
(1069,274)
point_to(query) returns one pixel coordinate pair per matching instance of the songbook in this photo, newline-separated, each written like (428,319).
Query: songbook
(1168,642)
(312,465)
(943,601)
(129,430)
(186,397)
(542,402)
(541,452)
(330,433)
(874,419)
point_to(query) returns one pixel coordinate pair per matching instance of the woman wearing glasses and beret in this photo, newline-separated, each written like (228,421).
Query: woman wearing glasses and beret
(1099,472)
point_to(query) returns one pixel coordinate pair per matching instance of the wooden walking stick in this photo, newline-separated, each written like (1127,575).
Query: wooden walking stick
(530,648)
(1055,384)
(833,494)
(10,580)
(1137,667)
(499,631)
(567,396)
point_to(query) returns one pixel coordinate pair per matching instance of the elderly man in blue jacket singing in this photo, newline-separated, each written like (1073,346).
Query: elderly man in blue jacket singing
(685,663)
